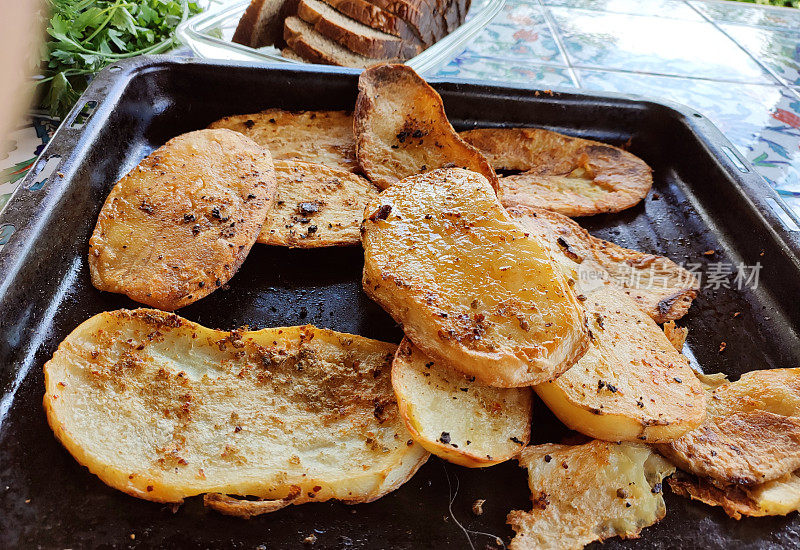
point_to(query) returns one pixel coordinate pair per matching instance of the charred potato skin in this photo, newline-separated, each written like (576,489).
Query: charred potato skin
(422,137)
(751,433)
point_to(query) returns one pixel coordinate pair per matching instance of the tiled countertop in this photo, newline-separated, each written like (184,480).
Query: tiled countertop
(739,64)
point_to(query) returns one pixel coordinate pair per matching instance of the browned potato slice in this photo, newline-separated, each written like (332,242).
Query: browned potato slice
(662,289)
(179,225)
(316,205)
(455,417)
(572,176)
(584,493)
(778,497)
(402,130)
(163,409)
(325,137)
(632,384)
(472,291)
(675,334)
(751,433)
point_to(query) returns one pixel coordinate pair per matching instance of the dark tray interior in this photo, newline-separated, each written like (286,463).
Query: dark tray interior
(700,202)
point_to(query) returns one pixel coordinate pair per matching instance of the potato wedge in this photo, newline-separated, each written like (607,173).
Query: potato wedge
(402,130)
(163,409)
(325,137)
(778,497)
(455,417)
(179,225)
(471,290)
(569,175)
(751,433)
(315,206)
(662,289)
(632,384)
(589,492)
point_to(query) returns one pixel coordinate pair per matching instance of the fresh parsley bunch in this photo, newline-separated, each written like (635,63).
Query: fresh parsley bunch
(86,35)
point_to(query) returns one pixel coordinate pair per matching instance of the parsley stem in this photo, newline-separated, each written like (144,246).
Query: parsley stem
(111,10)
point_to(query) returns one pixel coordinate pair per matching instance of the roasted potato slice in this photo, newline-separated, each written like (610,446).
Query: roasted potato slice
(751,433)
(179,225)
(589,492)
(662,289)
(569,175)
(455,417)
(163,409)
(402,130)
(325,137)
(778,497)
(315,206)
(471,289)
(632,384)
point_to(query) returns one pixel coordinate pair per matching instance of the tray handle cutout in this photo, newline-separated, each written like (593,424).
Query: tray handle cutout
(735,159)
(83,114)
(43,172)
(787,219)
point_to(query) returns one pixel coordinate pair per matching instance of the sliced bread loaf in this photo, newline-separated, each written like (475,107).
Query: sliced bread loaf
(355,36)
(262,23)
(313,47)
(377,18)
(422,15)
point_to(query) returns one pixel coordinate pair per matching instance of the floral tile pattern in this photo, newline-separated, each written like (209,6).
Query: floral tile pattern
(654,45)
(743,14)
(778,49)
(661,8)
(528,74)
(519,31)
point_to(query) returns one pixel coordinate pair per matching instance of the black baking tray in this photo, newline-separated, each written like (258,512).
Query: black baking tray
(705,197)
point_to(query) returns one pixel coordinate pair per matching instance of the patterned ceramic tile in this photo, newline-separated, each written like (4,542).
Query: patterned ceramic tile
(762,121)
(654,45)
(779,50)
(519,31)
(484,68)
(676,9)
(749,14)
(21,150)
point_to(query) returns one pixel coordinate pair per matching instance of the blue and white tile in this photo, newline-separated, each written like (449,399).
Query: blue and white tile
(749,14)
(674,9)
(654,45)
(519,31)
(778,49)
(518,72)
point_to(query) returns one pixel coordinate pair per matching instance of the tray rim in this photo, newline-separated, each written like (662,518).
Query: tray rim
(26,211)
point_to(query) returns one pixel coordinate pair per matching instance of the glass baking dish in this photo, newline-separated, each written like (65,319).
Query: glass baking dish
(209,35)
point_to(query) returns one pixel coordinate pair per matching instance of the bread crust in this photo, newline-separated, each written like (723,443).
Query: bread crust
(317,14)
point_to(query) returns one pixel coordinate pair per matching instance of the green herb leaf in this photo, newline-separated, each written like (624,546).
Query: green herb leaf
(87,35)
